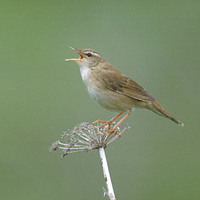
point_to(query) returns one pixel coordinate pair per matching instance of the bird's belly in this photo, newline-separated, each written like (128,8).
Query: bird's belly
(110,100)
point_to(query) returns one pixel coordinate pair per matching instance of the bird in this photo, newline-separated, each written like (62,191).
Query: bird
(113,90)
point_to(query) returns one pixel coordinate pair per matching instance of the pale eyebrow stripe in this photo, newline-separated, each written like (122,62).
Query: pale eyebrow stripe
(96,54)
(93,53)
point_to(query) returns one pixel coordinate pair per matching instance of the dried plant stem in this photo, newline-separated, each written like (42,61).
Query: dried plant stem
(110,191)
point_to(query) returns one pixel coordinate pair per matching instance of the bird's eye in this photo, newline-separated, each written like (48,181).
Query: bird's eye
(89,54)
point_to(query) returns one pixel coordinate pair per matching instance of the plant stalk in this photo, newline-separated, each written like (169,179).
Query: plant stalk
(106,174)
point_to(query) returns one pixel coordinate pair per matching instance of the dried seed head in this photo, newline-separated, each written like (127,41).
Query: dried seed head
(86,137)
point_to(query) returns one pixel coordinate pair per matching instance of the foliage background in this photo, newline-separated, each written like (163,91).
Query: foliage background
(155,42)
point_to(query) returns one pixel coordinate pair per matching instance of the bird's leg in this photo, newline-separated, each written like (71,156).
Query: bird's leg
(104,123)
(119,122)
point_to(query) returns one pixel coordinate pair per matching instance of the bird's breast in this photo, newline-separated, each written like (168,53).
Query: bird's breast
(85,75)
(106,98)
(92,82)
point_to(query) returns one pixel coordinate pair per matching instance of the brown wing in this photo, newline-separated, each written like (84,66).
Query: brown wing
(118,82)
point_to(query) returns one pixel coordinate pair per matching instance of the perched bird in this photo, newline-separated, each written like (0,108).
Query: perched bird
(113,90)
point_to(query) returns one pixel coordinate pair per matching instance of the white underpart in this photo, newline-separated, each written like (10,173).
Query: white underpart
(92,88)
(85,74)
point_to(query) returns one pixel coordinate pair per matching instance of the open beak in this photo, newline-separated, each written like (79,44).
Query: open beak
(75,59)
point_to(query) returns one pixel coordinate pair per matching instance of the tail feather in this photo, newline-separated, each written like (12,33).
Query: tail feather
(157,108)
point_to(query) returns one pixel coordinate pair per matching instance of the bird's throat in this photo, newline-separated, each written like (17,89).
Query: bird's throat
(85,74)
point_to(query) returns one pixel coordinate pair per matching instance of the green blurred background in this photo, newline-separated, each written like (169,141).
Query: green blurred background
(157,43)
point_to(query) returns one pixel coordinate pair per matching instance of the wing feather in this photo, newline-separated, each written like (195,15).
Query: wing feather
(118,82)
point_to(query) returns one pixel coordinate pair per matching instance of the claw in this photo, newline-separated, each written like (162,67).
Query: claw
(103,123)
(99,133)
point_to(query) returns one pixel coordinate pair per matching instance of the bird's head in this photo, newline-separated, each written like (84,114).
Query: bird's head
(88,57)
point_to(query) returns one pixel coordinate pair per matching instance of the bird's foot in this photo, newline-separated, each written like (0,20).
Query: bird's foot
(99,133)
(114,131)
(107,123)
(103,123)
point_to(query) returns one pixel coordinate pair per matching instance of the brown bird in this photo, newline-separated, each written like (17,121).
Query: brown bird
(113,90)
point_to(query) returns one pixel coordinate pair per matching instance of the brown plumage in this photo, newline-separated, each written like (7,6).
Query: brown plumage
(119,83)
(112,89)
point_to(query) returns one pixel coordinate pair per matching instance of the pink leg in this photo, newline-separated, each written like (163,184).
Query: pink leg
(120,121)
(104,123)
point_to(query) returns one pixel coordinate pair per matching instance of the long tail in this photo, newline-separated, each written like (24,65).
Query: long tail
(157,108)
